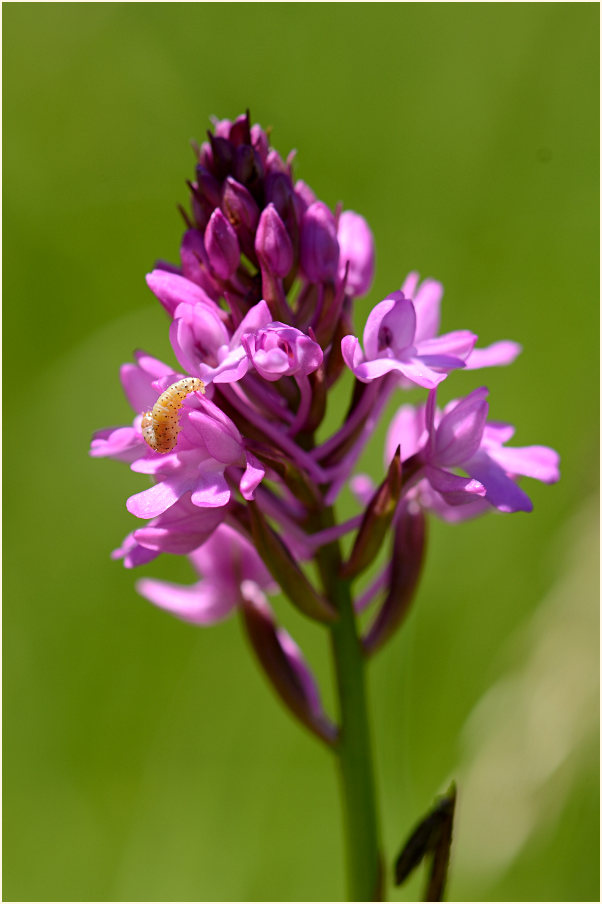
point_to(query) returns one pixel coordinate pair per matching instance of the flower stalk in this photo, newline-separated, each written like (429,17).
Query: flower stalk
(354,747)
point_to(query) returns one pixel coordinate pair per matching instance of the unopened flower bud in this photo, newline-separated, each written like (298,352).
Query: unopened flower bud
(248,168)
(409,545)
(284,664)
(260,142)
(206,155)
(221,127)
(275,163)
(285,570)
(319,246)
(239,205)
(279,191)
(222,153)
(376,521)
(195,265)
(222,245)
(356,246)
(207,187)
(240,131)
(305,194)
(272,243)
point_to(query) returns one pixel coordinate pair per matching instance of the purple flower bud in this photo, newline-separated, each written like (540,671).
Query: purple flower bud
(260,142)
(207,187)
(275,163)
(272,243)
(222,153)
(409,545)
(248,167)
(357,250)
(279,191)
(239,205)
(240,132)
(206,155)
(222,127)
(376,521)
(195,265)
(222,245)
(284,664)
(305,194)
(285,570)
(319,246)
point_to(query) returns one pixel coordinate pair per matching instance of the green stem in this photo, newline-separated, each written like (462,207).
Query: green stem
(354,750)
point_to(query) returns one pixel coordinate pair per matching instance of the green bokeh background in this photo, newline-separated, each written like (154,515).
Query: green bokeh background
(144,759)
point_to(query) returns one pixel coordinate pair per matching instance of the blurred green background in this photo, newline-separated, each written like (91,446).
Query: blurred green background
(145,759)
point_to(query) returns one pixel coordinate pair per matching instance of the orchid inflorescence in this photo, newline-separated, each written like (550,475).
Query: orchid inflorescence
(260,311)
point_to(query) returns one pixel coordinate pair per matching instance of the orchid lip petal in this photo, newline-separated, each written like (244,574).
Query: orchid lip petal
(456,490)
(539,462)
(502,491)
(158,498)
(199,604)
(500,353)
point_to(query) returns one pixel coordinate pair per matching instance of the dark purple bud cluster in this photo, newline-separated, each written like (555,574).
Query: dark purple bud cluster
(255,231)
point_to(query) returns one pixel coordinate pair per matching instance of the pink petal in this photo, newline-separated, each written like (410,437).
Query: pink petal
(196,334)
(271,364)
(229,557)
(399,323)
(497,433)
(499,353)
(459,434)
(121,443)
(373,324)
(200,604)
(502,492)
(205,432)
(410,284)
(150,365)
(137,379)
(154,501)
(418,372)
(373,370)
(458,344)
(252,477)
(539,462)
(427,301)
(231,369)
(362,486)
(356,248)
(172,290)
(211,488)
(182,535)
(351,351)
(258,317)
(455,490)
(408,430)
(133,554)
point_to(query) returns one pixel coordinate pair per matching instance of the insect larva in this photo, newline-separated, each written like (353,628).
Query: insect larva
(160,427)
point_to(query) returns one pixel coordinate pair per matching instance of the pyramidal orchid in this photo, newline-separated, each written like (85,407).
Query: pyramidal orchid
(244,472)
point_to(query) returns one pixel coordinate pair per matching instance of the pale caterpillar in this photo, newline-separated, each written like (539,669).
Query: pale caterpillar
(160,427)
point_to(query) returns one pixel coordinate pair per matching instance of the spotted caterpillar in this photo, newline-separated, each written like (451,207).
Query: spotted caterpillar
(160,427)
